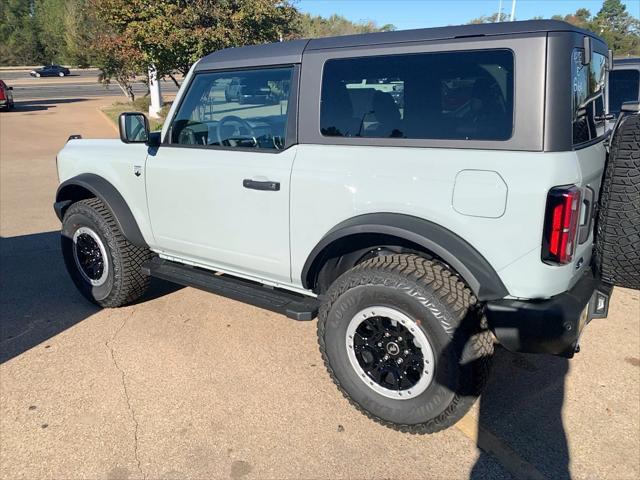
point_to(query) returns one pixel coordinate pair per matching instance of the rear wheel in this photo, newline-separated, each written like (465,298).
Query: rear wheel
(618,230)
(104,266)
(405,342)
(61,74)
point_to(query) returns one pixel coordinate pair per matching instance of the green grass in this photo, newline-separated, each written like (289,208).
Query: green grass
(138,105)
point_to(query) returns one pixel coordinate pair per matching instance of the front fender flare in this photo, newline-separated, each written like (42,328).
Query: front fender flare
(452,249)
(70,191)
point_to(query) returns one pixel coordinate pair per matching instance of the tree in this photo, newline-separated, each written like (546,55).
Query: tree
(20,43)
(494,18)
(80,28)
(620,30)
(310,26)
(172,34)
(50,15)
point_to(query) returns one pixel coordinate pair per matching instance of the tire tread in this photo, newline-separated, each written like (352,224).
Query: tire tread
(454,295)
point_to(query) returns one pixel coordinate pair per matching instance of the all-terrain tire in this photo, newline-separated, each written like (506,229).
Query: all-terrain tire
(618,228)
(446,311)
(125,281)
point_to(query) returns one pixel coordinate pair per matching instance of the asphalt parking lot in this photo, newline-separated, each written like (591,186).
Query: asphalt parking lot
(186,384)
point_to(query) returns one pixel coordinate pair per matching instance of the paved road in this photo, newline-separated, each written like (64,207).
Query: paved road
(80,84)
(11,76)
(187,384)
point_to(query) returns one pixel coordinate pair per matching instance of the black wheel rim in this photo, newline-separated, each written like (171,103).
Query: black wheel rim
(390,352)
(89,256)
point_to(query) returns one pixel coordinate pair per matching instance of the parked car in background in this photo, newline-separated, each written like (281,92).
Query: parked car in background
(624,83)
(253,91)
(6,96)
(50,71)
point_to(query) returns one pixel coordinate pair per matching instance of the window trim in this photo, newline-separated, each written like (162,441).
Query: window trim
(452,52)
(291,134)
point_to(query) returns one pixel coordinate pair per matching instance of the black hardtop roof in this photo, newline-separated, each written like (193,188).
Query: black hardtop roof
(291,52)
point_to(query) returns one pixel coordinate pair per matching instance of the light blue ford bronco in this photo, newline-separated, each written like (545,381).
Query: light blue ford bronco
(424,193)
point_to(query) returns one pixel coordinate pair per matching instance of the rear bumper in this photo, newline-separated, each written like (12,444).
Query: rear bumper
(551,326)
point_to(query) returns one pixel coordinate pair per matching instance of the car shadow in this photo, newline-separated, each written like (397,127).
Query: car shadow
(44,104)
(37,298)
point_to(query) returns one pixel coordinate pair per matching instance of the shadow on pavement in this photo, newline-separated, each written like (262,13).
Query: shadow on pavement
(35,105)
(37,298)
(520,410)
(522,406)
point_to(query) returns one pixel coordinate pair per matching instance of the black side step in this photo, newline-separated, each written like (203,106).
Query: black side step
(297,307)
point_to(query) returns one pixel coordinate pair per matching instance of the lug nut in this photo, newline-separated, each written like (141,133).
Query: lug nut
(379,344)
(387,334)
(386,357)
(406,352)
(399,339)
(399,361)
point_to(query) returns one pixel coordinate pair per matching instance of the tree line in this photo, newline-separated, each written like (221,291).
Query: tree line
(125,37)
(73,32)
(613,22)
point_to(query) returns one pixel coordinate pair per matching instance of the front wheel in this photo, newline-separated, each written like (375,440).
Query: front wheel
(104,266)
(404,341)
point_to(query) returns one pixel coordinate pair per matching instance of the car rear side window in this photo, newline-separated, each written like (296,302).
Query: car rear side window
(447,95)
(588,82)
(239,109)
(623,87)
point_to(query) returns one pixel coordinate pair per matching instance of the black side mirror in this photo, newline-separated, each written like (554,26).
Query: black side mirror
(10,88)
(134,127)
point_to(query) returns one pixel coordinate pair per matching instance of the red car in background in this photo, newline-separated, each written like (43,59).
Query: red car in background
(6,96)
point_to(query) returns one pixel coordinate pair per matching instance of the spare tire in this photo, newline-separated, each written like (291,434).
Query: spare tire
(618,228)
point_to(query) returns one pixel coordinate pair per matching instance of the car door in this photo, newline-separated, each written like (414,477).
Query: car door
(218,186)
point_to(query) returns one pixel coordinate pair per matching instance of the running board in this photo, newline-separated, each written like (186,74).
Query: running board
(295,306)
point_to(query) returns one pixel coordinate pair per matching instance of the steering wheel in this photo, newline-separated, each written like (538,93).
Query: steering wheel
(239,124)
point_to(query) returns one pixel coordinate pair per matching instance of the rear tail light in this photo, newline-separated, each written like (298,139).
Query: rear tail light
(560,225)
(2,97)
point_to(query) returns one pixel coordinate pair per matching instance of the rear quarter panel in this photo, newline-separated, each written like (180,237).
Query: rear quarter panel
(333,183)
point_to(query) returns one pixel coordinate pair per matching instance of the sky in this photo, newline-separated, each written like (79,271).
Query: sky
(406,14)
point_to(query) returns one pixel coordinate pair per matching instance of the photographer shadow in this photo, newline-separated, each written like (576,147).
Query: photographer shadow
(520,416)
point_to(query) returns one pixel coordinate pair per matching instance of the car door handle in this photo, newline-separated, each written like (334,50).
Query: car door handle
(261,185)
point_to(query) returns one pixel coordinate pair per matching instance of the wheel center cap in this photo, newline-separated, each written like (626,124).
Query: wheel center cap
(393,348)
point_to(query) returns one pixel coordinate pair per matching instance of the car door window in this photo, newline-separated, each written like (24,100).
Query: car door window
(442,95)
(239,109)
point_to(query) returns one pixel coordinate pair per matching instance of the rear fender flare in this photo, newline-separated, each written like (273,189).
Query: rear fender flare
(478,273)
